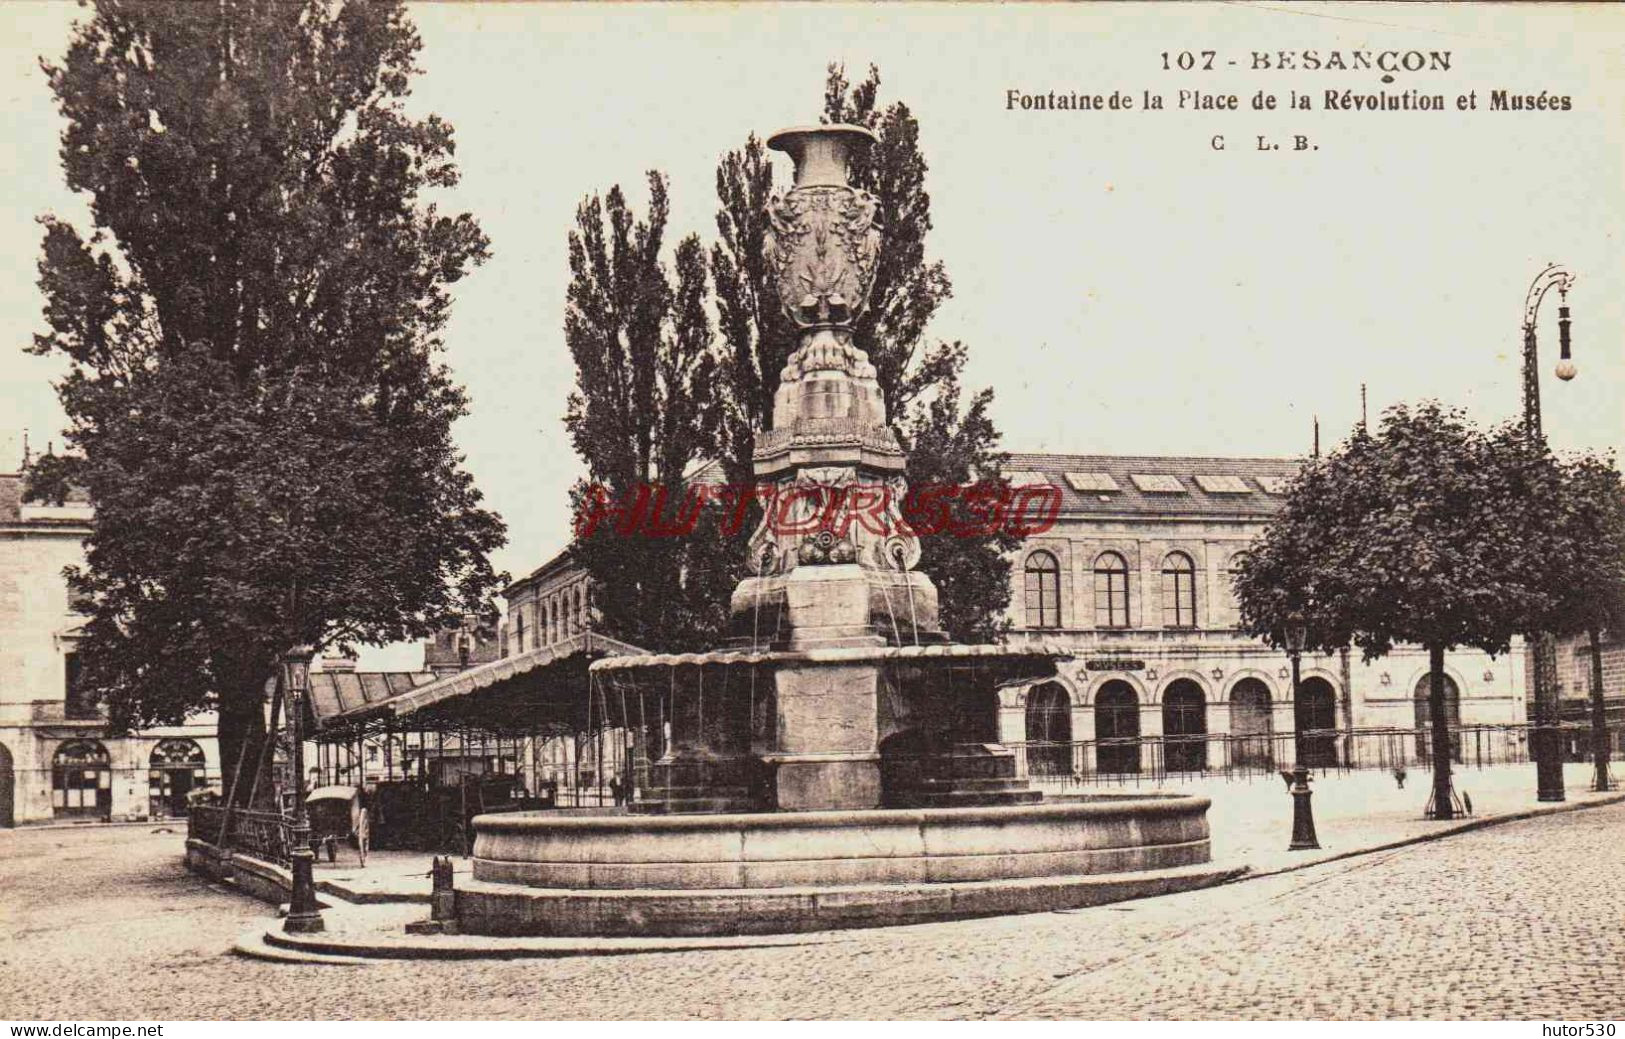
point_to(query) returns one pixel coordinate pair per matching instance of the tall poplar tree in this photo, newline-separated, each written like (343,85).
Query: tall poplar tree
(644,413)
(252,327)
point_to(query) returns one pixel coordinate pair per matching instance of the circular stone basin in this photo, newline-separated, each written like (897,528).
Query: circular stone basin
(1102,834)
(546,873)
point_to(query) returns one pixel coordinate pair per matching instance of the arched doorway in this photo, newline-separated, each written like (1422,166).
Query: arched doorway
(1043,591)
(175,770)
(1049,730)
(1117,728)
(1251,724)
(8,817)
(1424,718)
(1184,727)
(81,781)
(1316,708)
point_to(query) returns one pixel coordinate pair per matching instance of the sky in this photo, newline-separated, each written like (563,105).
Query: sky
(1123,286)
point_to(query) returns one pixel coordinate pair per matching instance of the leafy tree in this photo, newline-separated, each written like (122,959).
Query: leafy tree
(919,380)
(954,447)
(255,401)
(644,412)
(1429,532)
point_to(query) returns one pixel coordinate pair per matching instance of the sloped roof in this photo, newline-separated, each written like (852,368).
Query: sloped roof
(333,693)
(1197,497)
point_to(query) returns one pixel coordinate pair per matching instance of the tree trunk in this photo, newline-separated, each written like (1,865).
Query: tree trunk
(1439,719)
(1599,715)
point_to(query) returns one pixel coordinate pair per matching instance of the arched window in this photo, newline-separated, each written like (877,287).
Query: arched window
(1251,724)
(1043,591)
(82,780)
(519,631)
(1117,728)
(1111,591)
(8,790)
(175,769)
(1178,591)
(1049,730)
(1316,718)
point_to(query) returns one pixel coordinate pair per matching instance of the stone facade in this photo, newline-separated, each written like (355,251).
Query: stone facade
(546,606)
(1574,690)
(58,759)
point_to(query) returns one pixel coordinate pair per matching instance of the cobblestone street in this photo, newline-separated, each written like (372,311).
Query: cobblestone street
(1525,920)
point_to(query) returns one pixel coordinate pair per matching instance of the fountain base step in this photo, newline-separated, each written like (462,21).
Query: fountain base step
(966,793)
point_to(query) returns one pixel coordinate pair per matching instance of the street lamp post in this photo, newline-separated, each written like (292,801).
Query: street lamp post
(1303,817)
(304,912)
(1599,718)
(1545,749)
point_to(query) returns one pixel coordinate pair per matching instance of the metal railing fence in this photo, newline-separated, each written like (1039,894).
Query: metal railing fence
(1250,755)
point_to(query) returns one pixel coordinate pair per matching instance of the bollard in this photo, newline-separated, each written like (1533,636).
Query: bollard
(442,901)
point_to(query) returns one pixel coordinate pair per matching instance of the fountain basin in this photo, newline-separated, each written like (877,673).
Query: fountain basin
(763,873)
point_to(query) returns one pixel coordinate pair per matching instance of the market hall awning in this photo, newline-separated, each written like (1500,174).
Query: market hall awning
(541,690)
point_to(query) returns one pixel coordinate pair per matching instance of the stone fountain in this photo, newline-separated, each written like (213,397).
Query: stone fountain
(835,764)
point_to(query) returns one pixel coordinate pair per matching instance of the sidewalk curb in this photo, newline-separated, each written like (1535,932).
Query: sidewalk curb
(274,944)
(173,825)
(1451,830)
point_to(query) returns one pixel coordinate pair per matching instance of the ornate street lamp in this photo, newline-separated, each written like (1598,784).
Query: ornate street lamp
(1303,818)
(304,912)
(1545,749)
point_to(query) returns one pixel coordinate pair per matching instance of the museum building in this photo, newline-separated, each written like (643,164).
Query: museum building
(1135,576)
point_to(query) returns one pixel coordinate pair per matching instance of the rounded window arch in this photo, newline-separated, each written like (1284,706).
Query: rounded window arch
(1117,728)
(1424,717)
(82,780)
(1111,591)
(519,631)
(175,769)
(1178,591)
(1251,724)
(1043,589)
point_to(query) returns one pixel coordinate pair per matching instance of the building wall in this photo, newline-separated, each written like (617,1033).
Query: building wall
(1213,654)
(38,632)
